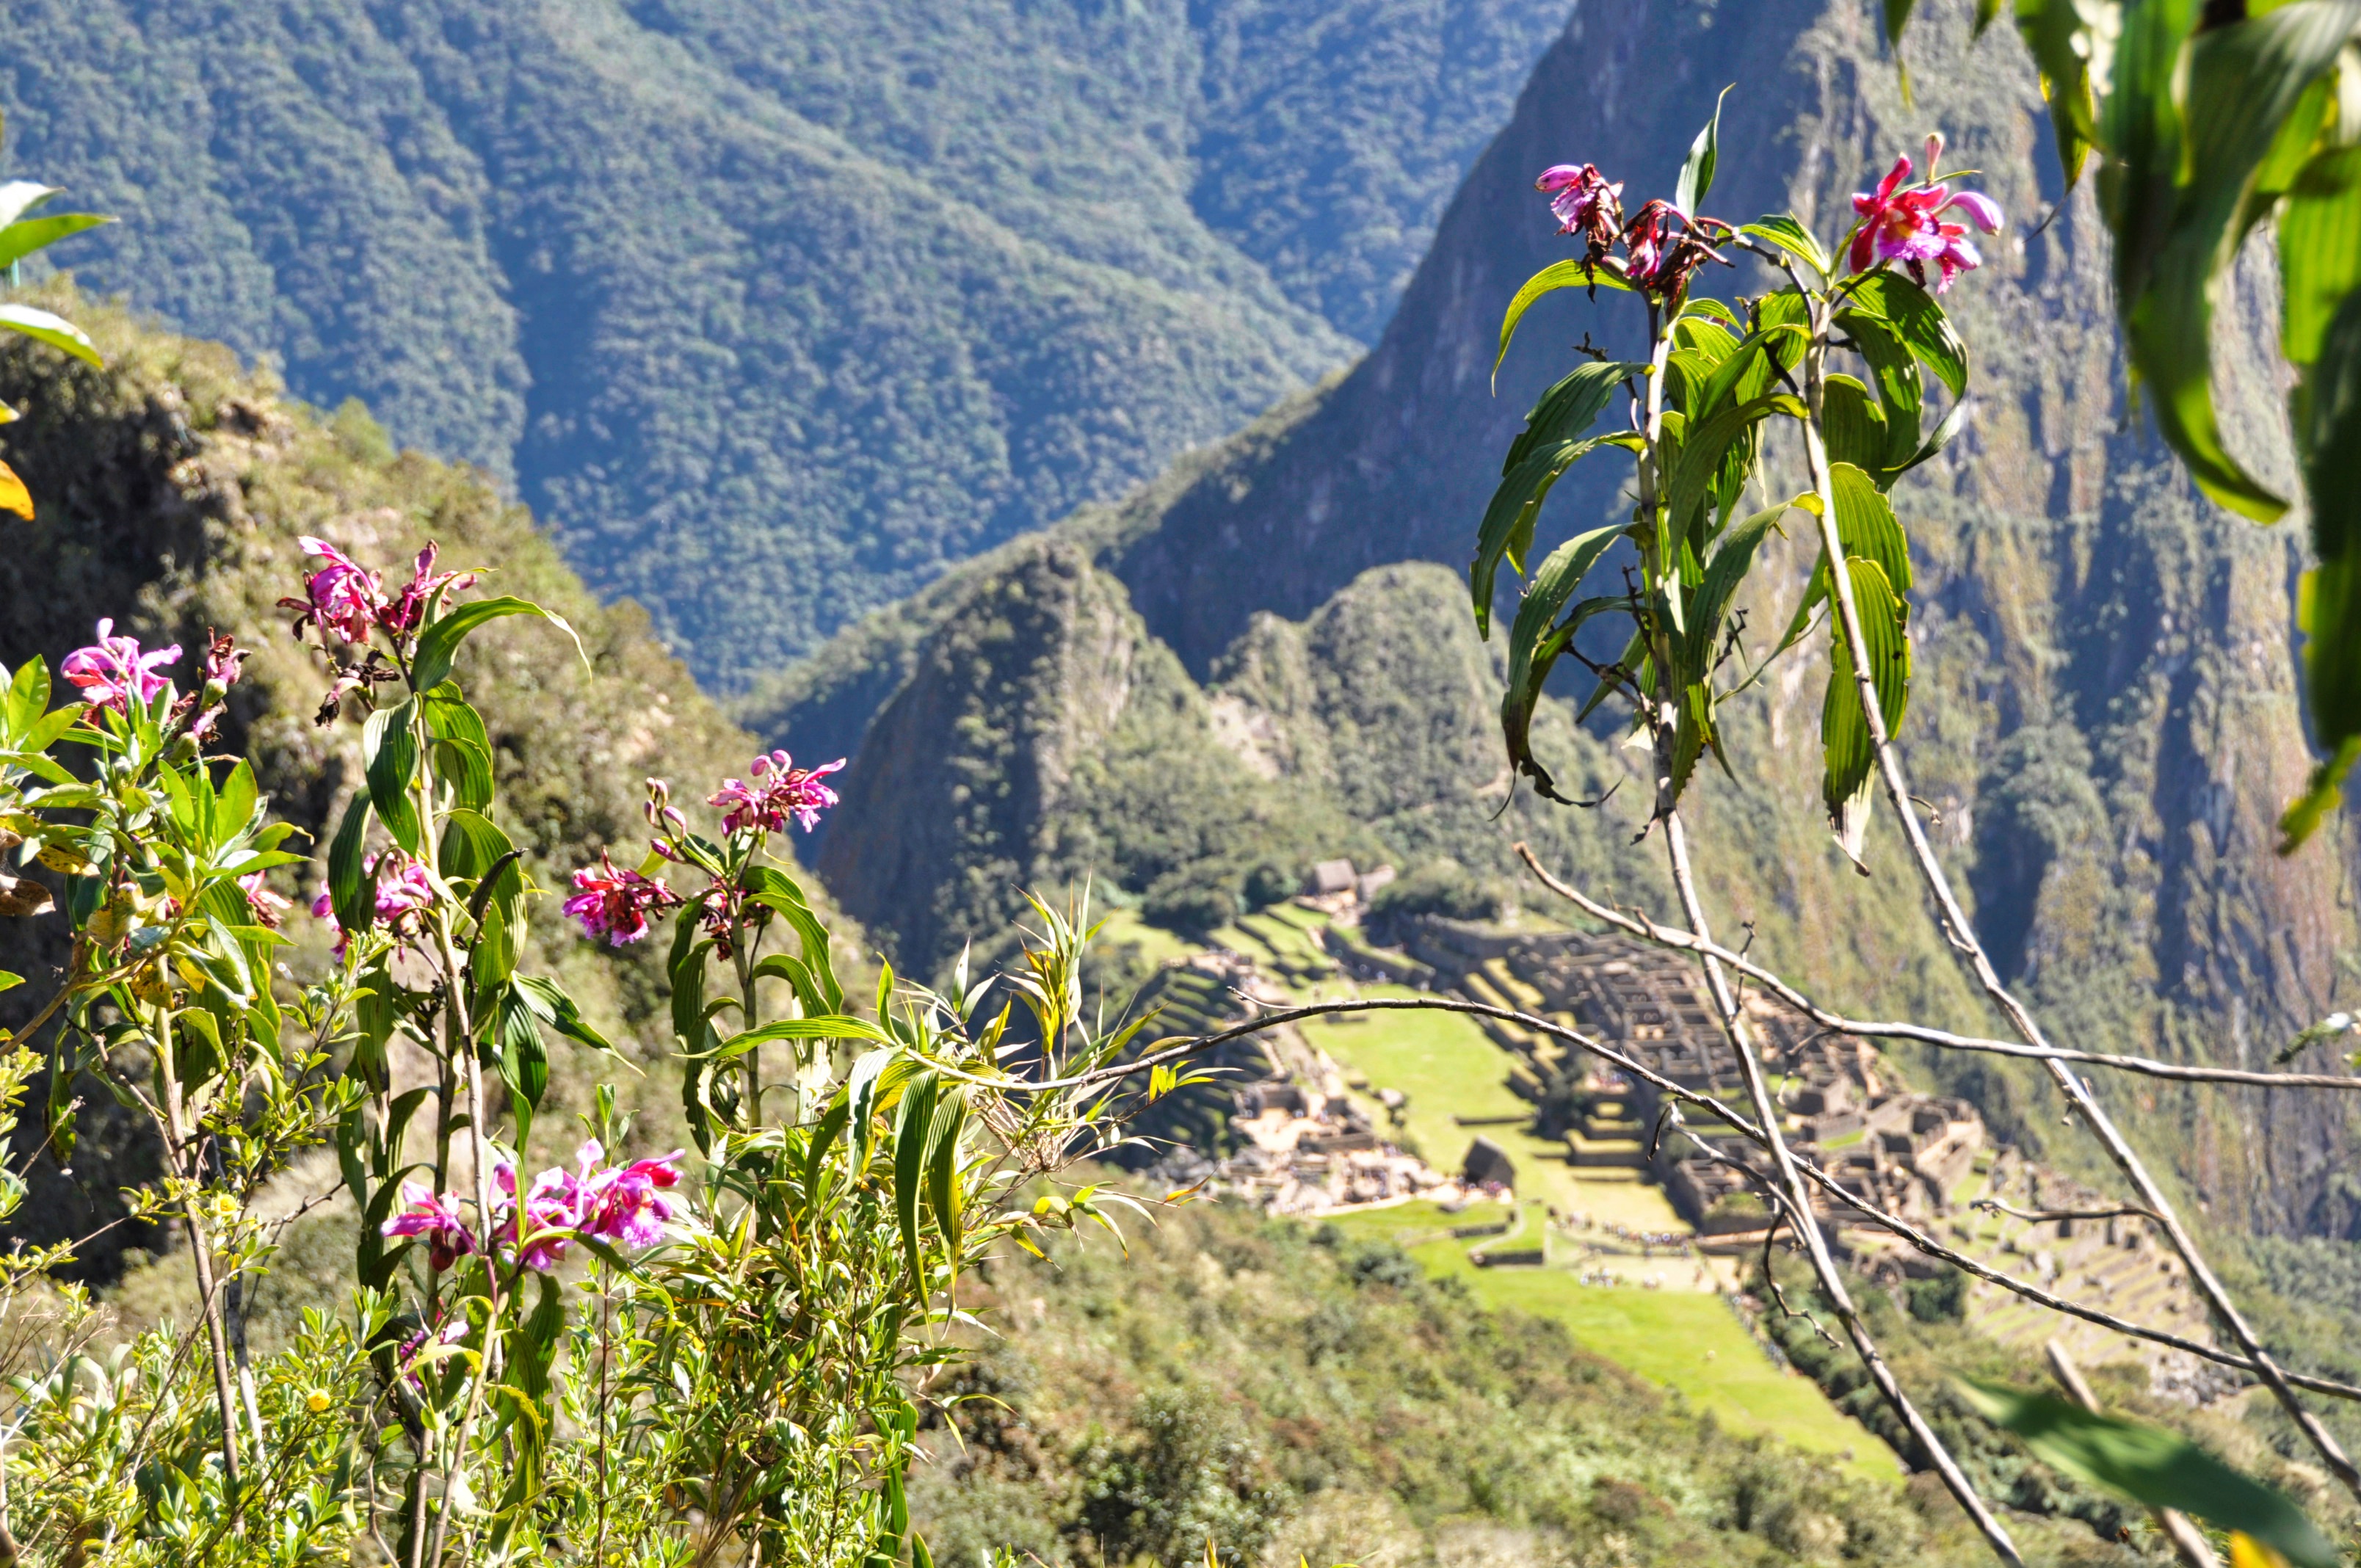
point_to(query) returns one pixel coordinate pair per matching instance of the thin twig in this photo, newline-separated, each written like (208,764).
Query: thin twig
(2044,1216)
(1953,921)
(1638,924)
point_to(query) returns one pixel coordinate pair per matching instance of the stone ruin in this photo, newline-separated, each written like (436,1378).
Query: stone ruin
(1926,1159)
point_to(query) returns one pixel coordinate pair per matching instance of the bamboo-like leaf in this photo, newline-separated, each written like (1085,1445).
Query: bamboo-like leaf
(912,1133)
(18,197)
(1704,446)
(21,239)
(2328,606)
(1555,276)
(2244,84)
(1509,522)
(439,643)
(1697,170)
(351,894)
(1786,232)
(2151,1465)
(1849,753)
(14,496)
(1919,322)
(1567,408)
(389,752)
(1852,424)
(839,1027)
(1899,394)
(1866,523)
(1536,638)
(55,331)
(943,1174)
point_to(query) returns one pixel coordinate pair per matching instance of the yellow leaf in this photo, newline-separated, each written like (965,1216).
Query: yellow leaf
(14,496)
(2245,1551)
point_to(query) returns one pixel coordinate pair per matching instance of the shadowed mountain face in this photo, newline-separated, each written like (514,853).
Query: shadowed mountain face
(772,308)
(2105,719)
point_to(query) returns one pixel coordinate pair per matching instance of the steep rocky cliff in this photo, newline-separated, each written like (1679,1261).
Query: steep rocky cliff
(2104,721)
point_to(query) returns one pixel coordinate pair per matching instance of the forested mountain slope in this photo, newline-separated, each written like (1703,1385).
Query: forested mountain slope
(2104,717)
(772,308)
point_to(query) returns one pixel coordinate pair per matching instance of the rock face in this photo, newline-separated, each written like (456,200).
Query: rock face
(2104,717)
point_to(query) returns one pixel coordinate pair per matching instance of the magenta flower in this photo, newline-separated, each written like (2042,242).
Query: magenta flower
(342,596)
(268,906)
(1664,245)
(1585,203)
(779,790)
(434,1216)
(616,905)
(410,606)
(1907,226)
(628,1206)
(403,890)
(113,672)
(553,1204)
(225,660)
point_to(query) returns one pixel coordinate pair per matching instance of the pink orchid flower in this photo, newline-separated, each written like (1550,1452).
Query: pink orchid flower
(113,672)
(435,1217)
(616,903)
(1908,227)
(779,790)
(342,596)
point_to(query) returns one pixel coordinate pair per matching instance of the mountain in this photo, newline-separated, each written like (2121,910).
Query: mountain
(2104,717)
(171,488)
(772,308)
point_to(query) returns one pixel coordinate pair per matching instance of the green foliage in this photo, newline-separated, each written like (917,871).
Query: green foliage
(1371,1415)
(1440,887)
(774,319)
(2215,120)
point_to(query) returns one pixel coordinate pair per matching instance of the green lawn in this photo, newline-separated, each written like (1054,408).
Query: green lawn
(1448,1068)
(1684,1339)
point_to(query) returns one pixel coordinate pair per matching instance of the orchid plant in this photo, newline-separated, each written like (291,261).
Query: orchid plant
(1716,374)
(739,1342)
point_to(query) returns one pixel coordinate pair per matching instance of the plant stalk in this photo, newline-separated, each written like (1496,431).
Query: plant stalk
(200,1252)
(1667,693)
(1960,932)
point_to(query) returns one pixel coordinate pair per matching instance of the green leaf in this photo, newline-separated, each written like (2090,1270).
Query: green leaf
(1706,445)
(21,239)
(1898,391)
(1918,320)
(2244,83)
(1509,522)
(351,894)
(1724,574)
(235,808)
(1538,638)
(1697,170)
(524,1060)
(463,749)
(1851,424)
(390,751)
(1788,233)
(28,698)
(2319,250)
(2150,1466)
(556,1010)
(1897,17)
(2061,44)
(942,1172)
(776,892)
(1866,523)
(1556,275)
(912,1134)
(1568,407)
(55,331)
(439,643)
(1849,751)
(18,197)
(838,1026)
(2328,603)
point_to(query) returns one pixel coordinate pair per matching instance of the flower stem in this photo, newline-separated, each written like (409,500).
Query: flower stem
(183,1164)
